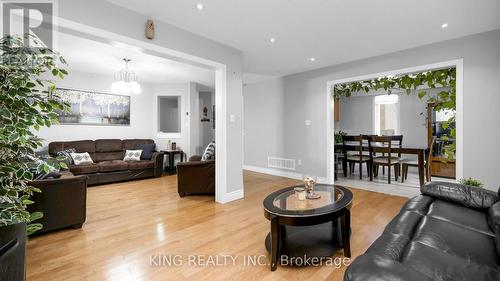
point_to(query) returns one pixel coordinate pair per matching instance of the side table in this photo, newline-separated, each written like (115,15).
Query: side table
(171,157)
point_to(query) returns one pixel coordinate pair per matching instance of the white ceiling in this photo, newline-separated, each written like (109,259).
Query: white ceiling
(331,31)
(85,55)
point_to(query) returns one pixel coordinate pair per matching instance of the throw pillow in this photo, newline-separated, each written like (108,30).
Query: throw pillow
(41,174)
(147,150)
(67,155)
(132,155)
(81,158)
(209,153)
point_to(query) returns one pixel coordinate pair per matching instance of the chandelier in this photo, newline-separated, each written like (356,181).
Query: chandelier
(126,81)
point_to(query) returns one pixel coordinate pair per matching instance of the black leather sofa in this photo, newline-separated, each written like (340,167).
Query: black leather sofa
(450,232)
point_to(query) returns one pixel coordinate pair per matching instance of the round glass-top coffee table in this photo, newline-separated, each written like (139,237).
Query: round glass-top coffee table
(310,227)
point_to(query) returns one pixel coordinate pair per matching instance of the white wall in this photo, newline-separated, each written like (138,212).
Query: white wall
(141,114)
(109,17)
(305,96)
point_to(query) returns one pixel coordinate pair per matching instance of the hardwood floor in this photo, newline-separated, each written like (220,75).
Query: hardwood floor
(128,223)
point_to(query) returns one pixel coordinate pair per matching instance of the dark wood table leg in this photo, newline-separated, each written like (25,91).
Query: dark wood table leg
(346,231)
(171,160)
(344,166)
(275,240)
(421,167)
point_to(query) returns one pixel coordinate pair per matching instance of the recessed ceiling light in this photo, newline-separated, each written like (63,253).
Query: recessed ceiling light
(272,40)
(200,6)
(444,25)
(312,59)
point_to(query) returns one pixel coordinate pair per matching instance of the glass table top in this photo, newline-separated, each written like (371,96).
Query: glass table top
(286,201)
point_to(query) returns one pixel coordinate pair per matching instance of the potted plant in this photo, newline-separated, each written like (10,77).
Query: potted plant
(26,105)
(471,182)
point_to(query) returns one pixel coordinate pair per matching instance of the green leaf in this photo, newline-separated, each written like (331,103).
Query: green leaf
(63,165)
(422,94)
(55,72)
(35,216)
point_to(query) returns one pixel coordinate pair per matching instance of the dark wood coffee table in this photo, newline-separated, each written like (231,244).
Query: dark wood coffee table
(312,227)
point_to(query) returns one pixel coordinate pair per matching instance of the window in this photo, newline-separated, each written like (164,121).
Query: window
(386,115)
(169,114)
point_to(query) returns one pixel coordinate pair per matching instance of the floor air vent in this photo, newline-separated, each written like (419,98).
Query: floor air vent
(281,163)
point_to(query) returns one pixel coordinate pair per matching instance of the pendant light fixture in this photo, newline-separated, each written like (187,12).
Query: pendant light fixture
(126,81)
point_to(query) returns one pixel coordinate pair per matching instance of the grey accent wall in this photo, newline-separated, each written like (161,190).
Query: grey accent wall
(264,122)
(304,98)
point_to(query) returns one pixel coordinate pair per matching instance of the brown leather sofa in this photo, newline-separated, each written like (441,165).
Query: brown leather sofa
(108,165)
(63,202)
(196,176)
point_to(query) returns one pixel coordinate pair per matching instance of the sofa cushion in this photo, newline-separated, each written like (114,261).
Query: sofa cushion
(108,156)
(147,150)
(108,145)
(132,143)
(446,265)
(468,196)
(113,165)
(459,215)
(141,165)
(80,146)
(84,169)
(458,241)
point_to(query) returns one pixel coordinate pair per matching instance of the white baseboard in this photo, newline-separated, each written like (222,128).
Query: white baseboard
(232,196)
(280,173)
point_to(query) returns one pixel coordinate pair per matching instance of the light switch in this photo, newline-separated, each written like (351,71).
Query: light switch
(232,118)
(308,122)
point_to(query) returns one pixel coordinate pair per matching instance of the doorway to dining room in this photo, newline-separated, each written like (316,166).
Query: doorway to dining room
(409,111)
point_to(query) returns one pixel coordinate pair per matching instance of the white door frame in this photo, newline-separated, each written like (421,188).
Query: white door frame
(221,194)
(457,63)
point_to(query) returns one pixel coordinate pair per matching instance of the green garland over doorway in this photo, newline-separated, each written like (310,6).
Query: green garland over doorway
(413,84)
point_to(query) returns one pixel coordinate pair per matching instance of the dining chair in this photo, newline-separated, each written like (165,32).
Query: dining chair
(355,158)
(414,163)
(395,140)
(383,145)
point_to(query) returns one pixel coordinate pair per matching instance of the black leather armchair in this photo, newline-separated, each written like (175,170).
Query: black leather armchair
(450,232)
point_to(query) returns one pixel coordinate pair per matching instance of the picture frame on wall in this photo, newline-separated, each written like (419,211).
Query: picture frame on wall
(94,108)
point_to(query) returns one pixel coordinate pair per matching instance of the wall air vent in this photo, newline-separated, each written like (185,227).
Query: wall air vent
(281,163)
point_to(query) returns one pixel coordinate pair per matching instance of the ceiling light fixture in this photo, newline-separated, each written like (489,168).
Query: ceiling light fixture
(272,40)
(200,6)
(444,25)
(126,81)
(312,59)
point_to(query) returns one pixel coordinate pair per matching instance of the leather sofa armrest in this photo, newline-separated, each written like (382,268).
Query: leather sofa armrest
(468,196)
(195,163)
(195,158)
(60,181)
(369,267)
(494,222)
(158,157)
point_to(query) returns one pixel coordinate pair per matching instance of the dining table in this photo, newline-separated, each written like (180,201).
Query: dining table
(418,150)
